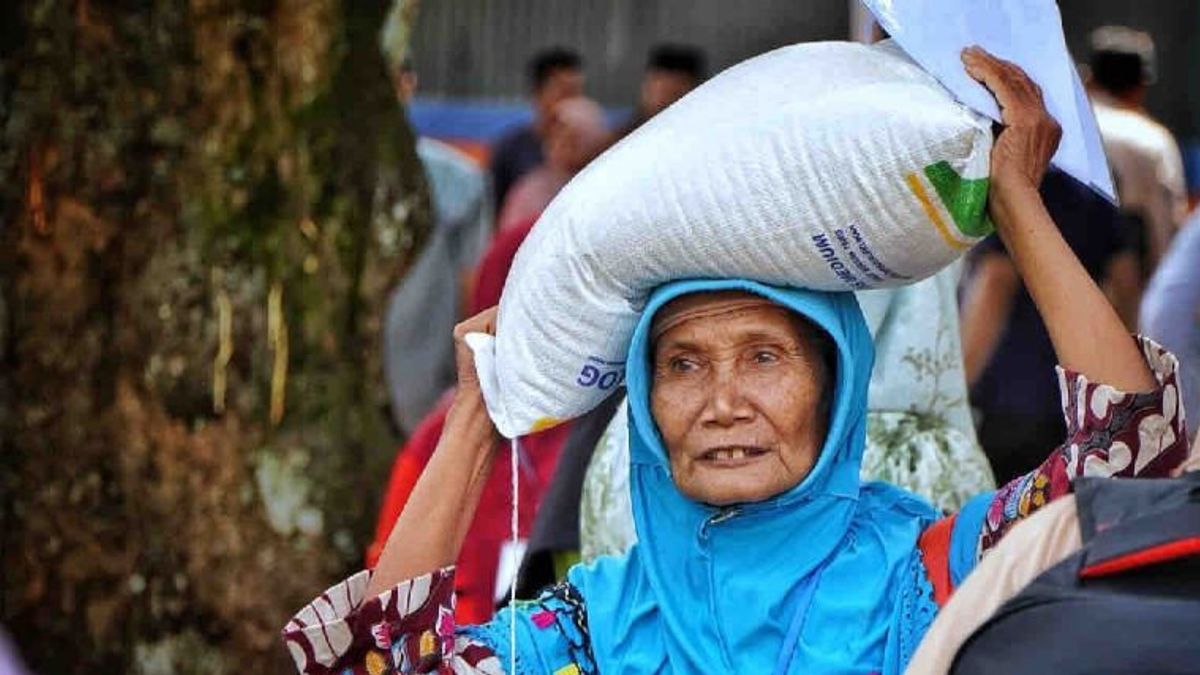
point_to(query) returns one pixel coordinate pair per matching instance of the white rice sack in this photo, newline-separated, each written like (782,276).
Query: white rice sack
(833,166)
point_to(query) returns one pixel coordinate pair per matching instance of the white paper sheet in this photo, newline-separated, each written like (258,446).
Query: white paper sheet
(1026,32)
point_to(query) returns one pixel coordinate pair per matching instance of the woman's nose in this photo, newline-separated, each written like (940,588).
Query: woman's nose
(727,403)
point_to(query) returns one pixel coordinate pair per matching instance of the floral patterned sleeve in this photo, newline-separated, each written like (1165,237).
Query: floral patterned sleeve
(411,629)
(1110,433)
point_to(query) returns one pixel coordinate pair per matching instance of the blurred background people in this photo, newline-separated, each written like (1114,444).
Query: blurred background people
(672,70)
(575,133)
(555,75)
(418,357)
(1007,353)
(1171,313)
(1145,159)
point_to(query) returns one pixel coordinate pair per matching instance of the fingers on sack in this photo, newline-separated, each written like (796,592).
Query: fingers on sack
(974,63)
(989,71)
(1016,93)
(1021,84)
(1008,72)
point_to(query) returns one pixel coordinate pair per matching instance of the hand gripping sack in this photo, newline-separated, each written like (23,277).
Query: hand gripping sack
(833,166)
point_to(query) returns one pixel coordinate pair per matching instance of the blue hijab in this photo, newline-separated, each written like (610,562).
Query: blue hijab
(822,578)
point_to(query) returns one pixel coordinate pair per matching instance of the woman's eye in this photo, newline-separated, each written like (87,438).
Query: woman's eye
(680,364)
(764,356)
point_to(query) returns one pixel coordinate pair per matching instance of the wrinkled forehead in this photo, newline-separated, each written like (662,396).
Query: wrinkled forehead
(687,309)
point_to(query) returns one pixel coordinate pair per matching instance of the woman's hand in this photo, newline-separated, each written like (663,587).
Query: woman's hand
(1028,136)
(483,322)
(1088,335)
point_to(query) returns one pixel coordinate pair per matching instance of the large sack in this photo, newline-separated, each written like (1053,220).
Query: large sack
(833,166)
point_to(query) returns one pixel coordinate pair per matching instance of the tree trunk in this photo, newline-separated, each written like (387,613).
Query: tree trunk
(206,202)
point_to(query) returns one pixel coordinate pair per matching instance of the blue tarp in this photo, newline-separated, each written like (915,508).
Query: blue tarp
(475,120)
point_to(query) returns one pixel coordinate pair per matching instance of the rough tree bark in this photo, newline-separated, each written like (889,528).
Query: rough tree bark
(204,204)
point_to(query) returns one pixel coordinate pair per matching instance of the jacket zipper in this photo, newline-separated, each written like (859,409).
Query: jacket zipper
(724,514)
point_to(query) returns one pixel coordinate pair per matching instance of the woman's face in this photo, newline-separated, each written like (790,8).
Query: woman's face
(737,389)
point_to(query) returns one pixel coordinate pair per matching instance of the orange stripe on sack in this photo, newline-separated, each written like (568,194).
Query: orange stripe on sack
(914,184)
(544,423)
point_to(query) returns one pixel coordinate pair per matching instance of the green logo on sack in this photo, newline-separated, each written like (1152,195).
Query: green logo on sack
(964,198)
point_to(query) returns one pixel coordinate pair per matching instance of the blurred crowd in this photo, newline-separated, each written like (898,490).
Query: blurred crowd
(990,416)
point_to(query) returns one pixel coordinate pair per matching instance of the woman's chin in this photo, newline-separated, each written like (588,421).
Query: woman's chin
(728,488)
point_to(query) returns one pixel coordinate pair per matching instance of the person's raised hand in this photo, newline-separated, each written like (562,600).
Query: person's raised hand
(1028,136)
(483,322)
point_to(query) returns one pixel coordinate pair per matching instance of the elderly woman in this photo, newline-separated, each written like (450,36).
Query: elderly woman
(919,431)
(759,548)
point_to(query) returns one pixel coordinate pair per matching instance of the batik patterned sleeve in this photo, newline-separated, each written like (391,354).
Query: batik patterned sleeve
(410,629)
(1110,433)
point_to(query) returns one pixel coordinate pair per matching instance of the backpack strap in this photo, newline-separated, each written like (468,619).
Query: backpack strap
(935,552)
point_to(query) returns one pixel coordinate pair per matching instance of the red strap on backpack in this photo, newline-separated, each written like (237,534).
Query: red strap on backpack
(935,551)
(1153,555)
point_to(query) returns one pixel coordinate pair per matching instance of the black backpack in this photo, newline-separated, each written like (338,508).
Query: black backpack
(1127,602)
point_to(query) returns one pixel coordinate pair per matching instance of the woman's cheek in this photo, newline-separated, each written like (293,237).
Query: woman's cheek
(784,385)
(671,405)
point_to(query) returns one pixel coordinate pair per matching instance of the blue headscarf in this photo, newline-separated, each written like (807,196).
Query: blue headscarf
(824,577)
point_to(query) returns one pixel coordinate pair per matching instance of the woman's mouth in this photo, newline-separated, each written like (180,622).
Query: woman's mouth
(732,455)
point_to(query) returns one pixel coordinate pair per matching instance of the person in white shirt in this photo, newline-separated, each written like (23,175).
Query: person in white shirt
(1144,156)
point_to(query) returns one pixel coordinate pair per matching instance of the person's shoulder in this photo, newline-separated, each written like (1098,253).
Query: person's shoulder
(606,571)
(1133,128)
(1175,285)
(1157,132)
(879,499)
(452,173)
(448,158)
(1156,139)
(604,565)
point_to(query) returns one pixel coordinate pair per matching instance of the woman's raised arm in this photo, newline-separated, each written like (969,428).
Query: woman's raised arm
(1088,335)
(430,530)
(1120,397)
